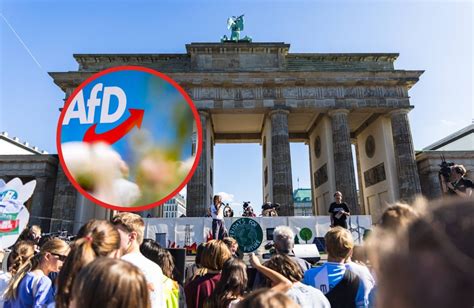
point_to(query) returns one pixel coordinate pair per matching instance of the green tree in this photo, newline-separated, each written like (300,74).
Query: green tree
(306,234)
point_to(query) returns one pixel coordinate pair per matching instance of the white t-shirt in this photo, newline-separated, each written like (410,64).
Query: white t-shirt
(153,275)
(217,214)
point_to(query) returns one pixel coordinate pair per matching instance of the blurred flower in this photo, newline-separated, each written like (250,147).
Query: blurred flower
(99,169)
(158,175)
(128,192)
(186,166)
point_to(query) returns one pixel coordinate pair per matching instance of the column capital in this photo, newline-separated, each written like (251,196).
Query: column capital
(334,112)
(279,110)
(395,112)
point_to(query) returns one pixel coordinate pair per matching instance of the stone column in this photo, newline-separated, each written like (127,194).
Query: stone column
(64,206)
(407,171)
(39,203)
(281,181)
(343,161)
(197,195)
(359,179)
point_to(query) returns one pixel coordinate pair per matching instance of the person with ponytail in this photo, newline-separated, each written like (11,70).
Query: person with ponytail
(100,239)
(31,286)
(20,254)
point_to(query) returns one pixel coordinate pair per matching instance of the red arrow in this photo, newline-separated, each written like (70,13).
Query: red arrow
(115,134)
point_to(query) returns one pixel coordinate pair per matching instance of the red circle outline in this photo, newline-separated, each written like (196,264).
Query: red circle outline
(176,86)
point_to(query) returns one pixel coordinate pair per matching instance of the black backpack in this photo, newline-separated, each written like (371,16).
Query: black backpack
(343,295)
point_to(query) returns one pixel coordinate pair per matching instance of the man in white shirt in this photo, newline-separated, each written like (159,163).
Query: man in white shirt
(217,213)
(131,228)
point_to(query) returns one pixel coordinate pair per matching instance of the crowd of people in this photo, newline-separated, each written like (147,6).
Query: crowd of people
(417,256)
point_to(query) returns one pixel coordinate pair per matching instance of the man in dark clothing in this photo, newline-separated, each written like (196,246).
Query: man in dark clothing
(458,184)
(339,211)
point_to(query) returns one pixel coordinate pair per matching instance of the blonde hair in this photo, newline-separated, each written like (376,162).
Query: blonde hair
(21,253)
(99,241)
(398,216)
(131,222)
(53,246)
(230,241)
(35,229)
(215,254)
(339,243)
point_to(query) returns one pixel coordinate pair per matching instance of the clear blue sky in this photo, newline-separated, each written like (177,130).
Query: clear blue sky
(433,36)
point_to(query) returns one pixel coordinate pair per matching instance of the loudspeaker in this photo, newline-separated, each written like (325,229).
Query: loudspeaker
(179,255)
(308,252)
(270,234)
(320,243)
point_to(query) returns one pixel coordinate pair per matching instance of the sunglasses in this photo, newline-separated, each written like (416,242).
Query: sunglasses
(60,257)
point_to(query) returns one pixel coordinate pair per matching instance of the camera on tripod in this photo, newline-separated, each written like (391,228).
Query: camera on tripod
(445,168)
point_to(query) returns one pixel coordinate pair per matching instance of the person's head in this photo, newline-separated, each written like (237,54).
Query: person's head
(433,256)
(339,244)
(283,239)
(45,239)
(32,233)
(232,284)
(110,283)
(457,172)
(131,228)
(100,239)
(214,255)
(285,266)
(20,254)
(35,233)
(232,244)
(199,250)
(153,251)
(217,199)
(85,229)
(397,216)
(228,212)
(267,298)
(338,196)
(49,259)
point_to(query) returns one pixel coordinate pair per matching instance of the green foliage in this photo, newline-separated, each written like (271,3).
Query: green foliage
(306,234)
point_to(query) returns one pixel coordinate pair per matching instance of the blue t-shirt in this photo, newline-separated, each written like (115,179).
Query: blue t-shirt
(33,291)
(326,277)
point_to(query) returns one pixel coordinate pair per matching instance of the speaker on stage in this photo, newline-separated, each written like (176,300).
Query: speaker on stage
(179,255)
(308,252)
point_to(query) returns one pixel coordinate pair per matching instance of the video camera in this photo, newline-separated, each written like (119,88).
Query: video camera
(445,168)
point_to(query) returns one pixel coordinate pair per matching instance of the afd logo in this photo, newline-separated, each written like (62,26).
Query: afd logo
(85,113)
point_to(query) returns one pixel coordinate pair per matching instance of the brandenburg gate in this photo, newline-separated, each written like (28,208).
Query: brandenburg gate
(261,93)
